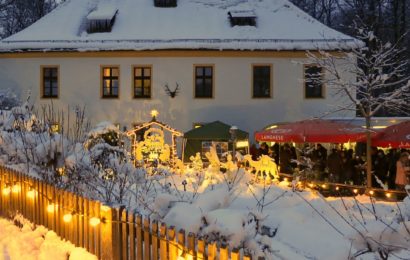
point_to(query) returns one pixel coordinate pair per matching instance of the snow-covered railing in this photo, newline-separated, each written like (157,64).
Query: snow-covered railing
(107,232)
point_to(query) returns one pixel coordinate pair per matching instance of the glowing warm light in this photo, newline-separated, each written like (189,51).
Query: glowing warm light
(299,183)
(324,186)
(50,207)
(337,188)
(154,113)
(16,188)
(61,171)
(311,185)
(388,195)
(6,191)
(67,217)
(285,179)
(31,194)
(242,144)
(355,191)
(94,221)
(371,192)
(105,208)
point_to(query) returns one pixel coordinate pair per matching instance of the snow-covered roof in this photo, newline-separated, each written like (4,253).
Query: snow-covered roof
(104,11)
(193,24)
(242,13)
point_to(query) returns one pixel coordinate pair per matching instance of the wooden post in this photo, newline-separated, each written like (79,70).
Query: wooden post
(191,245)
(97,207)
(163,242)
(147,239)
(181,242)
(235,254)
(247,257)
(201,249)
(172,242)
(155,240)
(131,228)
(109,239)
(223,253)
(124,235)
(212,251)
(139,237)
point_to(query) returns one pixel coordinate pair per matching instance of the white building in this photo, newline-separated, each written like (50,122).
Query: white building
(237,61)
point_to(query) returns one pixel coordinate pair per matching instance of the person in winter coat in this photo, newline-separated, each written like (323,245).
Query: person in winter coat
(402,171)
(334,165)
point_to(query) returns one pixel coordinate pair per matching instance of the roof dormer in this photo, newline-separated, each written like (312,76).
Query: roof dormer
(165,3)
(242,17)
(102,19)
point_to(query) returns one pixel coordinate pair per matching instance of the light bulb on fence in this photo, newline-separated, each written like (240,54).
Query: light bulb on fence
(324,186)
(355,191)
(6,190)
(16,188)
(51,207)
(31,194)
(371,192)
(94,221)
(388,195)
(311,185)
(337,188)
(67,217)
(285,179)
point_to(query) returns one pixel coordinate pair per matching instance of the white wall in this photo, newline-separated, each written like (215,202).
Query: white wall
(232,102)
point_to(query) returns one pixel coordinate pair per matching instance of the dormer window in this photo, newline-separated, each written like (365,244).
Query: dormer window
(102,19)
(165,3)
(242,18)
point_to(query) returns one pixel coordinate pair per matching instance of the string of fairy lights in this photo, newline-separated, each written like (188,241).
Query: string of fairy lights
(340,189)
(52,207)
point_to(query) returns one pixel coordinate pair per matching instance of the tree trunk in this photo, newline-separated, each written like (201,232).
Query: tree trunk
(368,153)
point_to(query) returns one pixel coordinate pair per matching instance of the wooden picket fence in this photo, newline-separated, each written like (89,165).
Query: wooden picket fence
(109,233)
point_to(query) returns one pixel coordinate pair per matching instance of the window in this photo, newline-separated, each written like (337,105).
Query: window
(49,84)
(102,19)
(203,81)
(165,3)
(142,82)
(242,18)
(221,148)
(262,81)
(110,82)
(313,81)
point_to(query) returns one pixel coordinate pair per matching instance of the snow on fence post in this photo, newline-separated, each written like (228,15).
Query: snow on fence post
(163,244)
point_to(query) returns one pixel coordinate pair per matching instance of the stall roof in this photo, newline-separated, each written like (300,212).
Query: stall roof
(214,131)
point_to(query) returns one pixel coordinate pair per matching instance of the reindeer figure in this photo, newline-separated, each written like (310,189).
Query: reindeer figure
(265,165)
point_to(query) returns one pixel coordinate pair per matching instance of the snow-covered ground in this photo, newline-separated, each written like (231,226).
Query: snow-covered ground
(38,244)
(276,222)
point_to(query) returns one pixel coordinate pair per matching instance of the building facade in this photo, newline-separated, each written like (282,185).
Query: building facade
(248,72)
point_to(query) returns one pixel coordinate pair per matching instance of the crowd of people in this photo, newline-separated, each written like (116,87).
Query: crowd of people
(390,168)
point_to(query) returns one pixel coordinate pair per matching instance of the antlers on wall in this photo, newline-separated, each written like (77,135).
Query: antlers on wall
(171,93)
